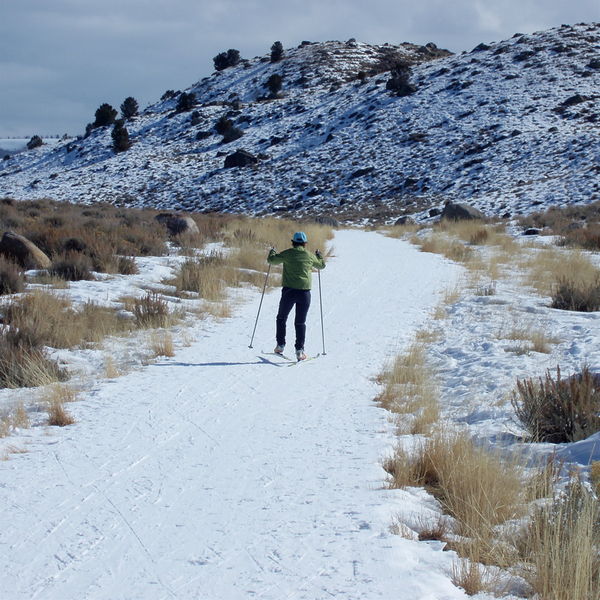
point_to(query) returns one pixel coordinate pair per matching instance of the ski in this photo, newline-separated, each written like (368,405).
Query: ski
(297,362)
(286,358)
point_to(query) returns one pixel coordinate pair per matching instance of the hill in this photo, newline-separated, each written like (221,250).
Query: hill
(509,127)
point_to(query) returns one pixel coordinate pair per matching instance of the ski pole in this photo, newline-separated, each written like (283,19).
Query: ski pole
(321,306)
(260,305)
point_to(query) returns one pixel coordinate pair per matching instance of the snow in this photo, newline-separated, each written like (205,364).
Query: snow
(224,473)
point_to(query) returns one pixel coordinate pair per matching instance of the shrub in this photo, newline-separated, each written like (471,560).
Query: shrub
(559,410)
(274,84)
(399,82)
(235,133)
(105,115)
(12,280)
(276,52)
(185,102)
(23,361)
(168,95)
(151,311)
(223,125)
(72,266)
(129,108)
(120,137)
(126,265)
(573,295)
(223,60)
(35,142)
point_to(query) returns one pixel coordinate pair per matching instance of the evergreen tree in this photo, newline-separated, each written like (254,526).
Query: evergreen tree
(120,137)
(35,142)
(105,115)
(274,84)
(185,102)
(276,52)
(129,108)
(223,60)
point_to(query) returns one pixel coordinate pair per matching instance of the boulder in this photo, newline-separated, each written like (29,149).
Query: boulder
(240,158)
(434,212)
(178,224)
(23,251)
(458,211)
(532,231)
(405,220)
(325,220)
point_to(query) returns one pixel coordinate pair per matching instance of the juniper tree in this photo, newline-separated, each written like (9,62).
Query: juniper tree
(274,84)
(120,137)
(105,115)
(185,102)
(223,60)
(129,108)
(276,52)
(35,142)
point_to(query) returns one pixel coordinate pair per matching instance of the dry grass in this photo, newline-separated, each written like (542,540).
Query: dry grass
(207,276)
(561,545)
(532,338)
(474,486)
(471,576)
(111,371)
(54,398)
(545,267)
(595,477)
(161,344)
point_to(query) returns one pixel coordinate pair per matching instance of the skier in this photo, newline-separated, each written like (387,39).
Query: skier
(296,283)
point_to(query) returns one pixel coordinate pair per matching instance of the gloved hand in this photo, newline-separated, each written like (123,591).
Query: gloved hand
(318,254)
(272,251)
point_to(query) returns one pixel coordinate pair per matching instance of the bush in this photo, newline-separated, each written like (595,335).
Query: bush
(105,115)
(185,102)
(579,296)
(235,133)
(126,265)
(223,125)
(151,311)
(129,108)
(274,84)
(23,361)
(399,82)
(35,142)
(276,52)
(120,137)
(223,60)
(12,280)
(559,410)
(72,266)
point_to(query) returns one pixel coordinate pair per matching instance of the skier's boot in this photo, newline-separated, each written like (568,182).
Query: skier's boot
(300,355)
(279,349)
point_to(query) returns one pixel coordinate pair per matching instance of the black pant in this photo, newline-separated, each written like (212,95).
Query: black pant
(289,297)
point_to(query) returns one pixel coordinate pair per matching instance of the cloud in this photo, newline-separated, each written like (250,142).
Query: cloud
(80,53)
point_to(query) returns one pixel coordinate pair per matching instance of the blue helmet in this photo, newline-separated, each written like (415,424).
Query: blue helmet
(300,237)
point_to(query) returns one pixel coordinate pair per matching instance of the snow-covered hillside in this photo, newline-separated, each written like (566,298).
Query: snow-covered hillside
(509,127)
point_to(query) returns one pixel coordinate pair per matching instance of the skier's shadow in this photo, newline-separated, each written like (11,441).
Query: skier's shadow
(261,361)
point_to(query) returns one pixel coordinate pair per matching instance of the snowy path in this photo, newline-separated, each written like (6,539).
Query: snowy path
(217,475)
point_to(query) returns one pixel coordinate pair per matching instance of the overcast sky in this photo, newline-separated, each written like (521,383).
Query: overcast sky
(60,59)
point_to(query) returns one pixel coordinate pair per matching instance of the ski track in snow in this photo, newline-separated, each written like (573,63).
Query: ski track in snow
(220,475)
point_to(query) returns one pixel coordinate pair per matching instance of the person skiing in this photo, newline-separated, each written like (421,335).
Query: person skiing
(296,283)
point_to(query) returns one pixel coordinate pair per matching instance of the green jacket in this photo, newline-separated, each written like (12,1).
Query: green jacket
(297,265)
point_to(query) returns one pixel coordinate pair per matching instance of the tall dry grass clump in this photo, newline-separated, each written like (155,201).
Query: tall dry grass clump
(478,488)
(208,276)
(570,294)
(151,311)
(561,546)
(12,279)
(558,410)
(410,389)
(161,344)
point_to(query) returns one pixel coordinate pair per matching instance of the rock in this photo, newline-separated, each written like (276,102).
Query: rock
(404,220)
(23,251)
(434,212)
(576,99)
(481,48)
(325,220)
(459,211)
(178,224)
(532,231)
(240,158)
(361,172)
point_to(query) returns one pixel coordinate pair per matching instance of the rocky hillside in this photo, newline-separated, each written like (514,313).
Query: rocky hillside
(508,127)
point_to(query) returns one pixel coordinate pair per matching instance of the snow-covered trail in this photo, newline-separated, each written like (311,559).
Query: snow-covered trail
(219,475)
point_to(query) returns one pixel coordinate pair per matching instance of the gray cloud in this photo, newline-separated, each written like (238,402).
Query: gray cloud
(60,60)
